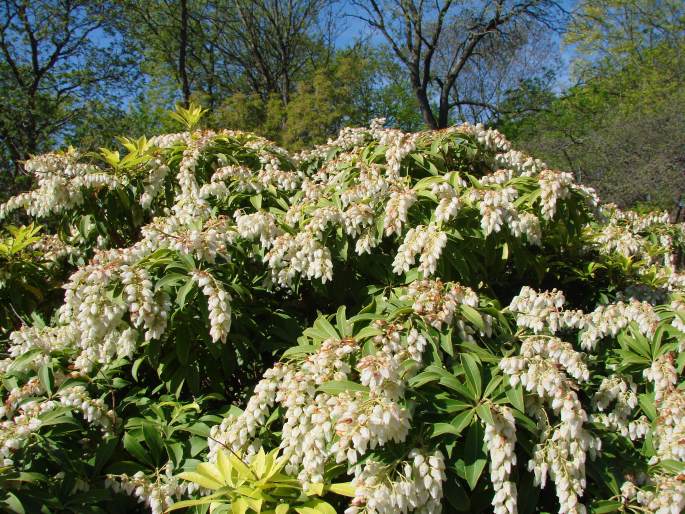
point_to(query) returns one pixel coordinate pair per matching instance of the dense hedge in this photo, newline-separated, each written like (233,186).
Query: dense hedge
(411,322)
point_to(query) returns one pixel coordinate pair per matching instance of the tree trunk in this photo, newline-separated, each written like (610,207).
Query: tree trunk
(444,109)
(424,105)
(183,46)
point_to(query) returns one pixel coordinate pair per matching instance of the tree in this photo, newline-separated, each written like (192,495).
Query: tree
(352,88)
(172,37)
(272,41)
(605,31)
(438,43)
(620,129)
(55,56)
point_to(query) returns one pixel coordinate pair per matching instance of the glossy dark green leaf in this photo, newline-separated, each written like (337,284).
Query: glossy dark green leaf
(475,458)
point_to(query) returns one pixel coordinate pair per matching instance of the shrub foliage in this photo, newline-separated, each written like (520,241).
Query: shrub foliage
(391,322)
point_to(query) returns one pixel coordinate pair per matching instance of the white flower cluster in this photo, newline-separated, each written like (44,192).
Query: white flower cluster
(496,208)
(154,181)
(610,319)
(236,432)
(169,140)
(60,182)
(663,373)
(563,458)
(146,309)
(501,441)
(448,202)
(542,369)
(678,308)
(189,204)
(53,249)
(561,352)
(644,293)
(634,220)
(437,303)
(300,255)
(93,410)
(490,138)
(528,225)
(622,392)
(23,409)
(398,344)
(45,339)
(18,394)
(16,431)
(260,225)
(396,210)
(365,423)
(219,303)
(414,485)
(669,431)
(158,493)
(666,497)
(554,186)
(614,238)
(205,240)
(319,427)
(398,145)
(519,162)
(541,311)
(428,242)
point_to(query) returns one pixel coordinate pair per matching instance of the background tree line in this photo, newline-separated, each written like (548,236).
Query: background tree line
(592,87)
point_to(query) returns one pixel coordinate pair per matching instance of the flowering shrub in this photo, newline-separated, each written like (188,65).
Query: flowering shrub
(390,322)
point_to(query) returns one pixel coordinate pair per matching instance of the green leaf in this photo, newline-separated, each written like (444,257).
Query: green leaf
(153,439)
(24,359)
(492,386)
(484,413)
(442,429)
(299,350)
(323,325)
(136,449)
(135,367)
(472,372)
(446,343)
(457,496)
(515,396)
(474,456)
(256,201)
(647,405)
(366,332)
(473,316)
(456,426)
(14,504)
(239,506)
(341,320)
(343,489)
(46,377)
(605,506)
(315,507)
(202,480)
(183,292)
(170,280)
(104,452)
(191,503)
(335,387)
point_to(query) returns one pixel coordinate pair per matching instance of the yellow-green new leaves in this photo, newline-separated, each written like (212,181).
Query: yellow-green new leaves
(189,117)
(138,153)
(19,239)
(257,486)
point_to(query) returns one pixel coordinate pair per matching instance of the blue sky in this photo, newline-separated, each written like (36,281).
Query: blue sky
(353,29)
